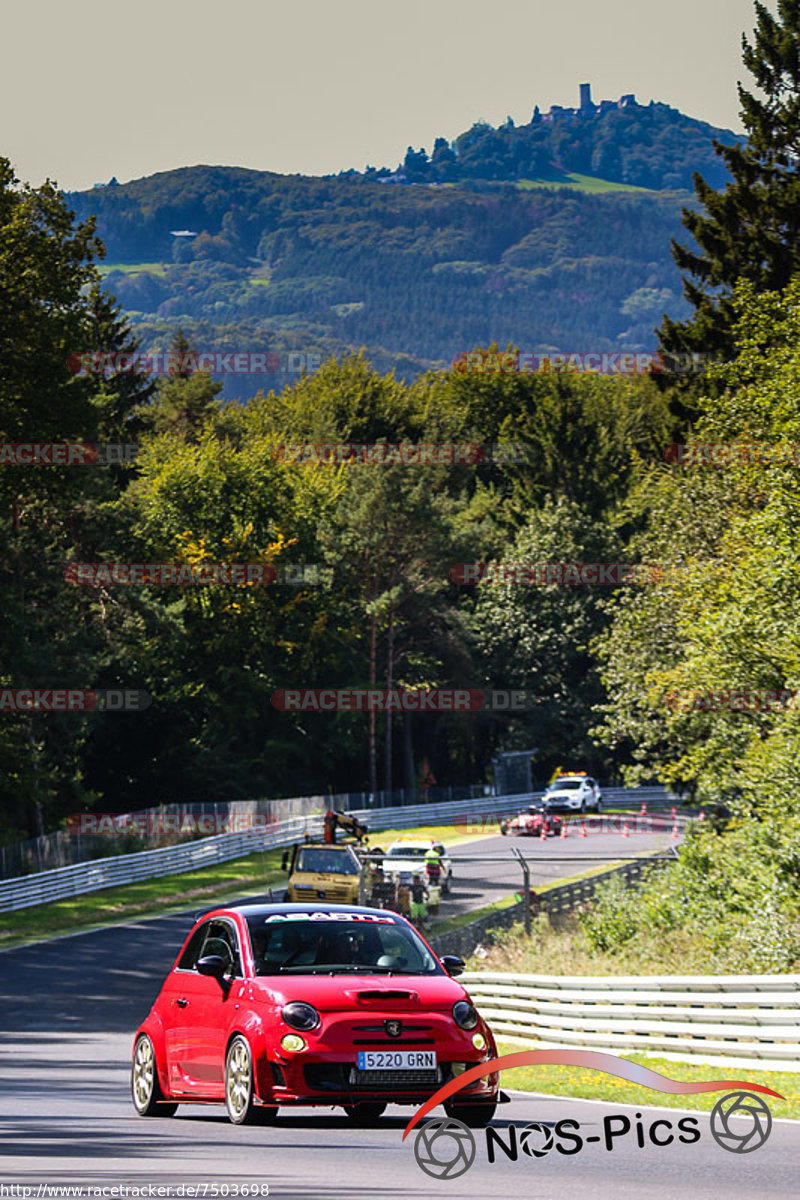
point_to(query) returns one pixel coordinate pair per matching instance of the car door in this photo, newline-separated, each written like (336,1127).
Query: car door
(218,1005)
(184,996)
(200,1011)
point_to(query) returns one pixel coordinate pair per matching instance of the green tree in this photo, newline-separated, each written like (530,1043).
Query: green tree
(537,638)
(51,313)
(185,399)
(749,229)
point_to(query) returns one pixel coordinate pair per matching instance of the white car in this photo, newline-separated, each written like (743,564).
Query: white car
(576,792)
(408,854)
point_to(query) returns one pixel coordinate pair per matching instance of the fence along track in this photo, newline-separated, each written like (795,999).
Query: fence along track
(731,1020)
(61,883)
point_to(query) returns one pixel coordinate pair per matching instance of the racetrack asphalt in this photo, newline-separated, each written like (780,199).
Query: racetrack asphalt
(69,1007)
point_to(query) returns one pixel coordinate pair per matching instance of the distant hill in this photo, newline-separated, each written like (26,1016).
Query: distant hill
(652,146)
(554,236)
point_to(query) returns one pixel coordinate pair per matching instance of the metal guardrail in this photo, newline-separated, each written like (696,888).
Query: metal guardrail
(729,1020)
(63,882)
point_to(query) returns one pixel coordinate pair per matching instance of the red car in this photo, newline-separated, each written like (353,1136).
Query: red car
(303,1004)
(530,823)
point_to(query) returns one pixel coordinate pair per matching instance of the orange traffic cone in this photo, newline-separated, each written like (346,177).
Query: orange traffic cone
(542,832)
(675,830)
(644,808)
(563,829)
(625,831)
(673,813)
(702,816)
(583,829)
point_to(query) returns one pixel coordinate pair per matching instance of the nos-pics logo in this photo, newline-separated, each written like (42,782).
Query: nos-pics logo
(446,1148)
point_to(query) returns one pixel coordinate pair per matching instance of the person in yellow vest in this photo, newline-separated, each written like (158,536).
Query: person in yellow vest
(433,864)
(419,900)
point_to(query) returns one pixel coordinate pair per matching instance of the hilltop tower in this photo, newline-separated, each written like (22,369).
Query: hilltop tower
(586,97)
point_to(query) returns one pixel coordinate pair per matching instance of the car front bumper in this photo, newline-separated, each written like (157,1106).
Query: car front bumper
(331,1082)
(327,1073)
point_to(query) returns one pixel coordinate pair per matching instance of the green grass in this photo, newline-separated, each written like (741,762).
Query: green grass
(581,183)
(451,923)
(143,268)
(149,897)
(215,884)
(585,1084)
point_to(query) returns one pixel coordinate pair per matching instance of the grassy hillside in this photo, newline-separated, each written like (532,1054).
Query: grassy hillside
(554,236)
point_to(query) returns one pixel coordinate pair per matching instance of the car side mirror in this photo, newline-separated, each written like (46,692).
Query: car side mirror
(213,965)
(453,964)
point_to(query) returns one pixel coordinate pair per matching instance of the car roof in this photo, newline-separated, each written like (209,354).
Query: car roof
(423,841)
(258,910)
(325,845)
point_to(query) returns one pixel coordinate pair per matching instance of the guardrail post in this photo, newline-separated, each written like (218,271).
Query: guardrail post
(526,891)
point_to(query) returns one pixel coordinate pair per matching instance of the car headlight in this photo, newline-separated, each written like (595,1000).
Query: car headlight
(293,1043)
(300,1015)
(464,1015)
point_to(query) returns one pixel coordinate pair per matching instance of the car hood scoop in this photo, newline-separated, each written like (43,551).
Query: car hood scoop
(366,995)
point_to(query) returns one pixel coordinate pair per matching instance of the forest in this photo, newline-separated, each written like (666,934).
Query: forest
(554,236)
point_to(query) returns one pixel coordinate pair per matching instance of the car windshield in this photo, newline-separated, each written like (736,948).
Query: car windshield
(407,851)
(318,944)
(319,860)
(565,785)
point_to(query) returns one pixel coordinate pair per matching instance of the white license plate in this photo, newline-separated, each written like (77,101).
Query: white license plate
(397,1060)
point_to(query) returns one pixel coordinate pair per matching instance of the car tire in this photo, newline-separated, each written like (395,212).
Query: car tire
(240,1092)
(599,806)
(364,1114)
(447,884)
(583,807)
(148,1098)
(474,1116)
(504,827)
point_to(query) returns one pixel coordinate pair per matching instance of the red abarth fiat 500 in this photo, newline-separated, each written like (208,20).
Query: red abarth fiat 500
(297,1004)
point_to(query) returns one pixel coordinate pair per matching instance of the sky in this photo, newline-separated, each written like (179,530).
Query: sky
(92,89)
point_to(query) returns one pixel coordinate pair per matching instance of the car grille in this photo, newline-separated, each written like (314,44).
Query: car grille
(409,1036)
(330,892)
(395,1081)
(343,1077)
(398,1041)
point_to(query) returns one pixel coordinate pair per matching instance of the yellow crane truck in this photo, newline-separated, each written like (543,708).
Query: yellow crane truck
(330,869)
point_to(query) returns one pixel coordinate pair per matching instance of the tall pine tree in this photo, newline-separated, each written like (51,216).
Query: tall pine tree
(749,230)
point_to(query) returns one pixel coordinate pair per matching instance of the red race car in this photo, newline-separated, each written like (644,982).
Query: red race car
(303,1004)
(530,823)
